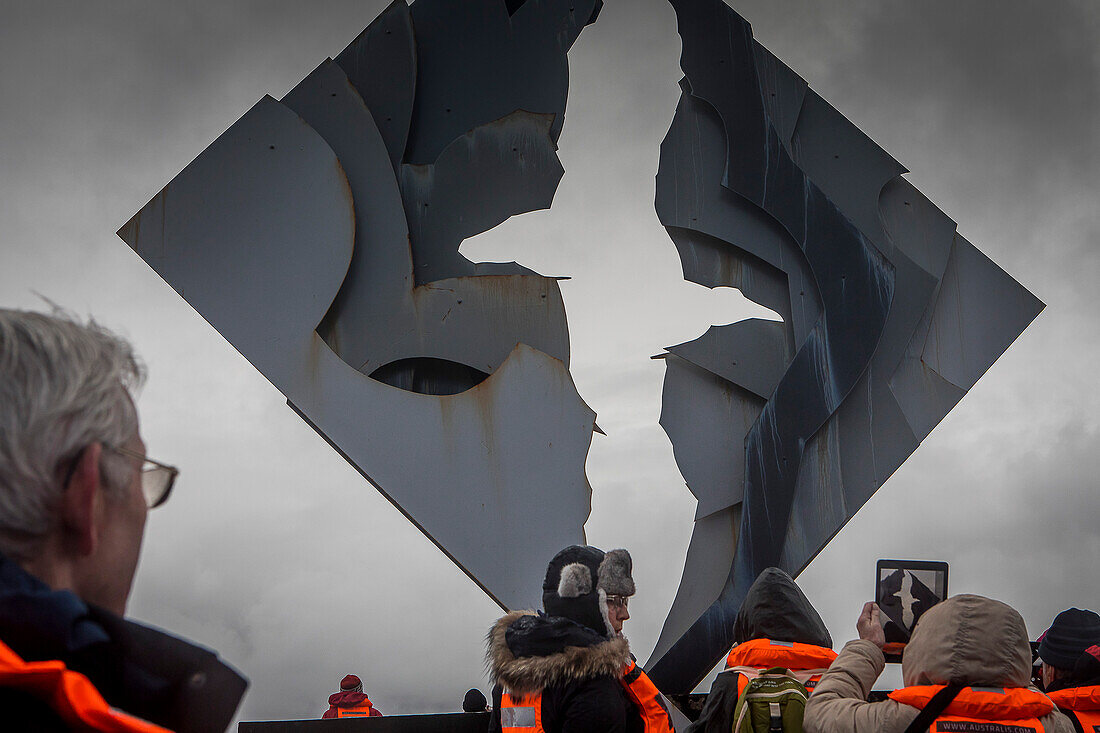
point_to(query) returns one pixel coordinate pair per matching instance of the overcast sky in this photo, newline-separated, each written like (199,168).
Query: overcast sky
(278,554)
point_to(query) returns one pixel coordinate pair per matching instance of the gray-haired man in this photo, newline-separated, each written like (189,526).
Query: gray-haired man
(75,487)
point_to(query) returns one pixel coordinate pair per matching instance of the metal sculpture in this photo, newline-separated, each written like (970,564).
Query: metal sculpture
(319,235)
(783,430)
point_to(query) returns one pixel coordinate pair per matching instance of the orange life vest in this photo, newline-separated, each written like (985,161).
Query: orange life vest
(806,662)
(982,709)
(71,695)
(641,690)
(1081,702)
(524,715)
(362,710)
(521,714)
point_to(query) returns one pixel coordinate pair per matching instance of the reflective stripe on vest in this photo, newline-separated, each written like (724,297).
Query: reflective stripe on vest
(362,710)
(982,709)
(792,655)
(641,690)
(1081,702)
(71,695)
(521,715)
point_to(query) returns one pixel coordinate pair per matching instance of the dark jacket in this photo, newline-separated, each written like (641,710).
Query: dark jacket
(576,669)
(774,608)
(137,669)
(1083,678)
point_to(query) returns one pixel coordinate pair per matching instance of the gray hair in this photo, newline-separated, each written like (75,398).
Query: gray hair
(63,386)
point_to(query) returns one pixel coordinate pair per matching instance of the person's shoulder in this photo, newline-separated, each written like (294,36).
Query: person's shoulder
(25,712)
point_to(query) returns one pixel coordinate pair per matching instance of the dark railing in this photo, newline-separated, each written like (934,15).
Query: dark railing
(441,723)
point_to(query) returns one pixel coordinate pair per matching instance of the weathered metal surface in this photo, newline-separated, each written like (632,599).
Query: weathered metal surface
(381,64)
(890,317)
(325,255)
(513,161)
(476,63)
(379,317)
(714,463)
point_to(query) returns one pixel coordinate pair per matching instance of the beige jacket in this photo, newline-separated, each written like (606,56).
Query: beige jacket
(967,638)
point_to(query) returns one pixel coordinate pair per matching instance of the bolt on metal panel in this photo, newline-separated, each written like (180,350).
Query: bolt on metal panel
(290,235)
(891,317)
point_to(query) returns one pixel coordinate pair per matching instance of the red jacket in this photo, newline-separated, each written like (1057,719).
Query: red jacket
(350,705)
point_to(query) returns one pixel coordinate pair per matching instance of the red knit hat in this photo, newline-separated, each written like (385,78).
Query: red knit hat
(351,683)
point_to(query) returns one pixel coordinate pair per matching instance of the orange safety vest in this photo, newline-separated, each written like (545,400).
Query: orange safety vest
(71,695)
(982,709)
(521,714)
(806,662)
(1081,702)
(648,698)
(524,715)
(362,710)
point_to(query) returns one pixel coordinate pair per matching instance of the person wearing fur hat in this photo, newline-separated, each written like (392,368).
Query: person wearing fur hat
(350,702)
(569,669)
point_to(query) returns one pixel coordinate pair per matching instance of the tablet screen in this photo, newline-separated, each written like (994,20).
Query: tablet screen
(905,590)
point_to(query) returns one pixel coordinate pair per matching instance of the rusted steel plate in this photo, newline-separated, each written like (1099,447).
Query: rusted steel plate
(378,317)
(713,461)
(290,235)
(514,161)
(721,351)
(903,316)
(257,233)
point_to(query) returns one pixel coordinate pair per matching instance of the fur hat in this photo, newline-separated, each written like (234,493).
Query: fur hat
(614,574)
(578,581)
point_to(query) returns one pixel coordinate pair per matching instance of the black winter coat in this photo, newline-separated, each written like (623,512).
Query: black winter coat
(137,669)
(576,669)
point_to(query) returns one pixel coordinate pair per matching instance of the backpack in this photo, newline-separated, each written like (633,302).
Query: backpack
(771,702)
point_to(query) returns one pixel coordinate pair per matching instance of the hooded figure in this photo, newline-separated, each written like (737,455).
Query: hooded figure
(967,640)
(561,670)
(776,626)
(350,702)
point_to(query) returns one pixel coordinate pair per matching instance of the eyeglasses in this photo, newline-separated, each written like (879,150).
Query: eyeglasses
(620,601)
(156,478)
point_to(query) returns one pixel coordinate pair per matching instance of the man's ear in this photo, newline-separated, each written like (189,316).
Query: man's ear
(80,502)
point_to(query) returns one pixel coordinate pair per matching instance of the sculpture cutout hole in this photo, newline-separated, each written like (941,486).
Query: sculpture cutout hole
(428,375)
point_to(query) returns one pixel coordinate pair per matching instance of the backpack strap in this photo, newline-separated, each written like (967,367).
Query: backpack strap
(934,708)
(775,718)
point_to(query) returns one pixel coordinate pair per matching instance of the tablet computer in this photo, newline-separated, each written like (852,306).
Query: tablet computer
(905,589)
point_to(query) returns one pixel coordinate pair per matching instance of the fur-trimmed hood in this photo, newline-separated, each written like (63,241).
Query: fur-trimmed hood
(529,651)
